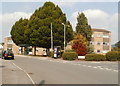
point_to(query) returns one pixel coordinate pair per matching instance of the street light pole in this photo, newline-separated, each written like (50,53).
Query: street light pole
(64,35)
(51,40)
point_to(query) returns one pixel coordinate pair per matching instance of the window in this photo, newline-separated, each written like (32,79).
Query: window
(10,41)
(98,43)
(98,35)
(98,51)
(68,44)
(105,43)
(105,35)
(91,43)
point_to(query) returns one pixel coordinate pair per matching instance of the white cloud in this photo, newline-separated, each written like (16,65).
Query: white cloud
(8,19)
(101,20)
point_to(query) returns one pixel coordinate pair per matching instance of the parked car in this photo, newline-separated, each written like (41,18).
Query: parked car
(8,55)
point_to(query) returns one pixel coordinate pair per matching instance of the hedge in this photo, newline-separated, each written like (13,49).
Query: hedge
(69,56)
(95,57)
(49,54)
(113,56)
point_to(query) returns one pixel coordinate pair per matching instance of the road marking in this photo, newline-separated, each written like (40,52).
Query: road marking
(25,73)
(115,70)
(95,67)
(84,65)
(89,66)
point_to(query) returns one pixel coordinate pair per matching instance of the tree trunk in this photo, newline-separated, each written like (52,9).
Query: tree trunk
(34,50)
(22,50)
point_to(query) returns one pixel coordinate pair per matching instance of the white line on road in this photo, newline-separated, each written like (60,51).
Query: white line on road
(25,73)
(94,67)
(89,66)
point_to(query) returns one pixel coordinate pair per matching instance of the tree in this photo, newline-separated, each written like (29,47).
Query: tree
(90,49)
(80,49)
(116,46)
(79,39)
(17,32)
(39,26)
(79,44)
(83,28)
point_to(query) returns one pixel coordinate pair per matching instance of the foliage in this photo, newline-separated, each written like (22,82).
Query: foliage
(69,55)
(113,56)
(83,28)
(80,49)
(117,44)
(116,49)
(49,53)
(79,45)
(18,30)
(69,51)
(79,39)
(39,25)
(90,49)
(95,57)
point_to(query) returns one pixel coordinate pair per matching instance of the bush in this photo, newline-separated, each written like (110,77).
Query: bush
(113,56)
(95,57)
(49,54)
(69,50)
(69,55)
(80,49)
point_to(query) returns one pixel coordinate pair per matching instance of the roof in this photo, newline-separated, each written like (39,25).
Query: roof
(100,30)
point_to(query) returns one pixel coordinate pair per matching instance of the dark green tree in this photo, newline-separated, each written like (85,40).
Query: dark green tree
(17,32)
(39,26)
(82,27)
(118,44)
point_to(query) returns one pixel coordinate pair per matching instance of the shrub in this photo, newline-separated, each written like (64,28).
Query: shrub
(80,49)
(69,51)
(95,57)
(113,56)
(69,55)
(49,54)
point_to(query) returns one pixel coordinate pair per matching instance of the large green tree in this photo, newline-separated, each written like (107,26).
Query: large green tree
(39,26)
(18,30)
(83,27)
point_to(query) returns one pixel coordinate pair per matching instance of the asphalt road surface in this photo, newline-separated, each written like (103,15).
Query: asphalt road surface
(43,70)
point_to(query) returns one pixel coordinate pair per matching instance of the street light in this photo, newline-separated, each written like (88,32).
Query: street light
(51,40)
(64,34)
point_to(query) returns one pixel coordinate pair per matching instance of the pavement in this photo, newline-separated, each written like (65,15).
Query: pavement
(45,70)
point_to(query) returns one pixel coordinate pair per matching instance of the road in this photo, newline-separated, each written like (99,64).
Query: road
(43,70)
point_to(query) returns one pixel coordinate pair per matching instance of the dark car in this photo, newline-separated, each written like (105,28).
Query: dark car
(8,55)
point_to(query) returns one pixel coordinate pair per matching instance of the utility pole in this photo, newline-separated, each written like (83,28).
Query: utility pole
(51,40)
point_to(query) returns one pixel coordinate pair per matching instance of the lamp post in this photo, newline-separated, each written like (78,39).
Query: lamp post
(51,40)
(64,34)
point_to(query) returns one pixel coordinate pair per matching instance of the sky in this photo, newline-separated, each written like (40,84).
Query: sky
(101,15)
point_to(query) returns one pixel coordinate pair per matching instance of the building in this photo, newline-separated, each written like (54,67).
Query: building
(101,41)
(8,44)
